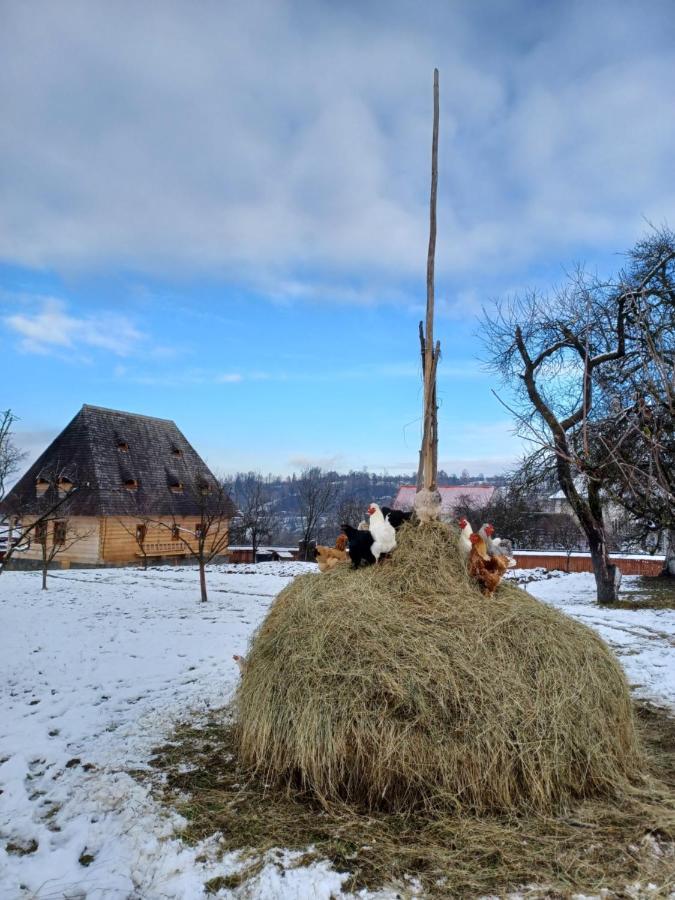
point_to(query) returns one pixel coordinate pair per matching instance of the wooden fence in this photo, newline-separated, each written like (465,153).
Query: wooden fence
(581,562)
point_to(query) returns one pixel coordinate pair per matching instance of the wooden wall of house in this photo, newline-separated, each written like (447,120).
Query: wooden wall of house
(84,550)
(119,544)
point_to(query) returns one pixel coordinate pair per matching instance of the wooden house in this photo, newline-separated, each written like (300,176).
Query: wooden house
(130,487)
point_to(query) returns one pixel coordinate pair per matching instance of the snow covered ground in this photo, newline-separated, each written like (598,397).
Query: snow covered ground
(95,671)
(643,640)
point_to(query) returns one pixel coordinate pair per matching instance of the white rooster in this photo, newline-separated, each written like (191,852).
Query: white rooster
(465,537)
(383,532)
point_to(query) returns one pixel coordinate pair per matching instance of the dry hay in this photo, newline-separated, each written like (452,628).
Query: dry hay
(400,687)
(594,846)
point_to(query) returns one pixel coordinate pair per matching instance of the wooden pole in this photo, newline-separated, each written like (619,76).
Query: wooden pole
(429,452)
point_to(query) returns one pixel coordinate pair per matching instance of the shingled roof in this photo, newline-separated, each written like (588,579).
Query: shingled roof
(123,464)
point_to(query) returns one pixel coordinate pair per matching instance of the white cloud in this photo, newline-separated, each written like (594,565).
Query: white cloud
(229,378)
(50,328)
(290,151)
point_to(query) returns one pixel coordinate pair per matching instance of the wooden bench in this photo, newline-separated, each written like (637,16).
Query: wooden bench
(164,548)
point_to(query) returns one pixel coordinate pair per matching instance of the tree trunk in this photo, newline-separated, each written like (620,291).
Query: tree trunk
(202,581)
(607,575)
(44,576)
(669,550)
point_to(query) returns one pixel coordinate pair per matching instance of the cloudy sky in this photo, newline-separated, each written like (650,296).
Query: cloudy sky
(217,212)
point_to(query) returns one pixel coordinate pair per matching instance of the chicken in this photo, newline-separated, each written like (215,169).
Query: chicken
(383,532)
(363,525)
(496,546)
(341,542)
(360,543)
(464,538)
(396,516)
(487,570)
(241,662)
(328,557)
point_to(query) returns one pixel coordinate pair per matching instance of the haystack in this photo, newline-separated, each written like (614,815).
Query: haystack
(402,687)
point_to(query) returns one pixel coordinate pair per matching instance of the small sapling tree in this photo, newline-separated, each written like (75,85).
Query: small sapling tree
(138,530)
(55,489)
(209,536)
(55,535)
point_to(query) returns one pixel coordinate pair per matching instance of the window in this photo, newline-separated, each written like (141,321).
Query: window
(60,529)
(141,531)
(176,487)
(175,533)
(64,486)
(41,486)
(41,532)
(176,451)
(131,484)
(122,446)
(198,530)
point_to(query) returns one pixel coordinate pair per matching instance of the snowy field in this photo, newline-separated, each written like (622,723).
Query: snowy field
(95,671)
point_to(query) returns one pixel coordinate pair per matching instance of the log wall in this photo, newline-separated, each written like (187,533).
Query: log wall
(118,541)
(85,550)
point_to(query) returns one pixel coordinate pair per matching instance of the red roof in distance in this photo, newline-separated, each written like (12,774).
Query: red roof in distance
(451,496)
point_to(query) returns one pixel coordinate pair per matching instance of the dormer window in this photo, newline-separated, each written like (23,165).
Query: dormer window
(122,446)
(64,486)
(176,487)
(131,484)
(41,486)
(176,451)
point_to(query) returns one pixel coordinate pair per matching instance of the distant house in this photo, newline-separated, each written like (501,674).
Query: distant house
(451,497)
(137,485)
(559,504)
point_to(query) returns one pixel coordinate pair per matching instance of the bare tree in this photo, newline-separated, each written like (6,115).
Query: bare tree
(560,353)
(317,494)
(549,353)
(55,489)
(351,509)
(10,461)
(56,535)
(635,435)
(256,519)
(209,537)
(10,455)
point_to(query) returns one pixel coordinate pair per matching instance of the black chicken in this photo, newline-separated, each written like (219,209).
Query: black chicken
(359,543)
(396,516)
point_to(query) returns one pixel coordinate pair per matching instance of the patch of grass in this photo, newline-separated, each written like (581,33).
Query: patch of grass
(21,848)
(593,844)
(655,592)
(235,880)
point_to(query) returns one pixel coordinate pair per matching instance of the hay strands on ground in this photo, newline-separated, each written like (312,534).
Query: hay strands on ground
(594,845)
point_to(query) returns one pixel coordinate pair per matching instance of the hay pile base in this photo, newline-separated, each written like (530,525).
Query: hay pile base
(598,844)
(401,687)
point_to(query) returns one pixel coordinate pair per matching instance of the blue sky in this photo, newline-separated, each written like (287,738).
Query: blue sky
(217,213)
